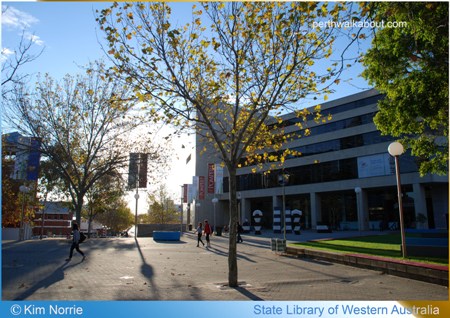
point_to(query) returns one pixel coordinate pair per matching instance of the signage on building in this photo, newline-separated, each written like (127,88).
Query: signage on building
(34,158)
(27,154)
(218,177)
(194,190)
(211,178)
(201,187)
(374,165)
(185,193)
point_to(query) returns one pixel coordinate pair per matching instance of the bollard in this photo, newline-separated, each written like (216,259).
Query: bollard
(276,220)
(288,221)
(257,217)
(296,215)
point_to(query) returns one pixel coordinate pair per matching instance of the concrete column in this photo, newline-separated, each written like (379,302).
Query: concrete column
(316,209)
(365,210)
(362,208)
(439,198)
(276,201)
(245,210)
(420,205)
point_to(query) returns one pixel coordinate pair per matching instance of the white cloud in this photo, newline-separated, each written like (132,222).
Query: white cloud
(14,18)
(34,38)
(5,54)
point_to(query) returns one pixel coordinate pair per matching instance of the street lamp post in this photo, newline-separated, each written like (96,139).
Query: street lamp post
(395,149)
(214,202)
(25,190)
(181,209)
(136,196)
(42,221)
(282,180)
(358,192)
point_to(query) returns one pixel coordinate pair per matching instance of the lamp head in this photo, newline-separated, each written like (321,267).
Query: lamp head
(396,149)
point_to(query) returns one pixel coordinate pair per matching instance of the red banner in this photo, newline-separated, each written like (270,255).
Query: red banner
(185,193)
(210,178)
(201,187)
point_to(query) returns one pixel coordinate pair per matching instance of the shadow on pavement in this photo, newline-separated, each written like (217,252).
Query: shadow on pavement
(55,277)
(170,242)
(147,271)
(225,253)
(255,243)
(247,293)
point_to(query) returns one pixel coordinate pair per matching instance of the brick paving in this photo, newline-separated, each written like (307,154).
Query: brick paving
(142,269)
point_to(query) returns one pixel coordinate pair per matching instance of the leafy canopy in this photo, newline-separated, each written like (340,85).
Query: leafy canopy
(233,78)
(410,65)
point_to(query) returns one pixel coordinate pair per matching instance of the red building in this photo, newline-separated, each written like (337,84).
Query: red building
(57,220)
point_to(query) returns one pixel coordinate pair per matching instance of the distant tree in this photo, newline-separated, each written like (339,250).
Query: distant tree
(104,196)
(409,64)
(85,125)
(143,218)
(13,201)
(233,80)
(162,209)
(118,218)
(10,191)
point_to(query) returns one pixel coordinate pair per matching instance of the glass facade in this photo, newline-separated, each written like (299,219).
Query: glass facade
(348,154)
(383,207)
(354,141)
(336,125)
(338,208)
(335,170)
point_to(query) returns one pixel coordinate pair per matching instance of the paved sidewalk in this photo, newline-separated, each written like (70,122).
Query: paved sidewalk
(142,269)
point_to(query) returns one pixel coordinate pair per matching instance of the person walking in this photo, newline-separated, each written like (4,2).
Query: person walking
(239,231)
(199,234)
(75,242)
(208,232)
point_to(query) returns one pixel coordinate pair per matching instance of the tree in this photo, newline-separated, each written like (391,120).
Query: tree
(84,124)
(161,208)
(10,190)
(119,218)
(104,196)
(229,80)
(409,64)
(13,200)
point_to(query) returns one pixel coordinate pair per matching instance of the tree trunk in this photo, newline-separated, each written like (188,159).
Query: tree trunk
(232,251)
(78,208)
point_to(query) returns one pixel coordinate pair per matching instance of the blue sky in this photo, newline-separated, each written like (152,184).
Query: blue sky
(67,30)
(71,36)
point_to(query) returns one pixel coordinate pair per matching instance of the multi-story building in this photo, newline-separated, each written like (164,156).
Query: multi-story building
(344,178)
(57,220)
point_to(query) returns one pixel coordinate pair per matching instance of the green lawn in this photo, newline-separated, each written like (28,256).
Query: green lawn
(388,245)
